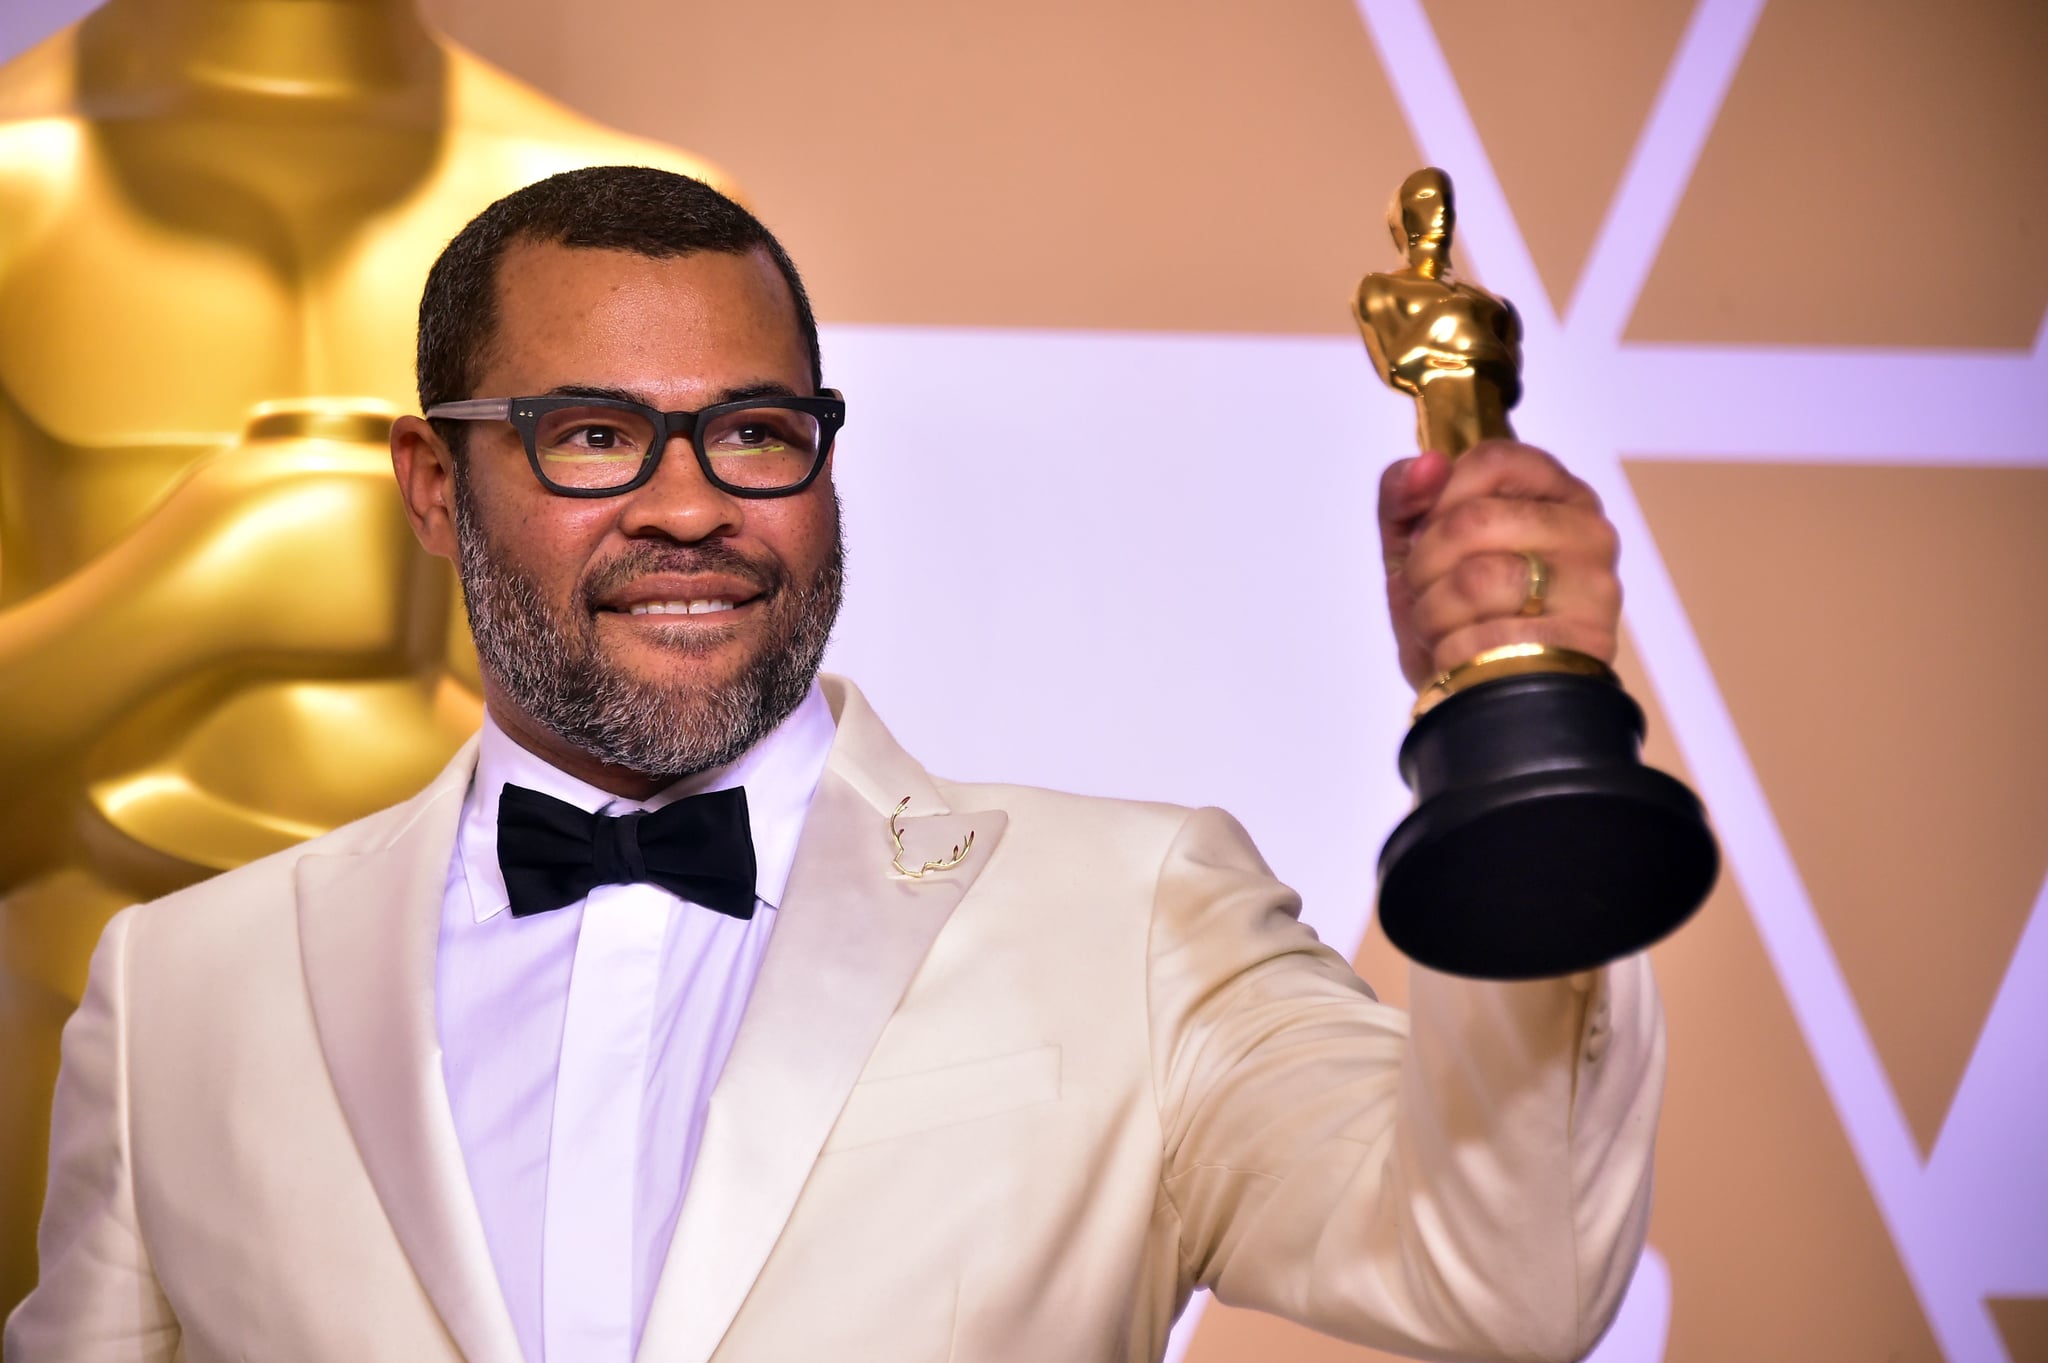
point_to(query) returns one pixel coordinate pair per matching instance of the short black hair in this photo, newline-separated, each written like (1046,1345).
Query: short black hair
(649,212)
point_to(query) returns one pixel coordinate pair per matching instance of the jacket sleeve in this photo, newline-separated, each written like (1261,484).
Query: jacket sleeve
(97,1298)
(1468,1180)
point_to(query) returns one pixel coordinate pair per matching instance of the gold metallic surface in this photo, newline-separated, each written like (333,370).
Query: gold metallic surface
(945,863)
(217,635)
(1539,585)
(1509,660)
(1452,346)
(1457,350)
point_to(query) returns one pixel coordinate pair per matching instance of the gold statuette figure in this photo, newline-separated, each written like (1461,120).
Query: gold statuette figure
(217,635)
(1452,346)
(1539,844)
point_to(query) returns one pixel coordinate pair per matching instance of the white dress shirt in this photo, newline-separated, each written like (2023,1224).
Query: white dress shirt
(580,1046)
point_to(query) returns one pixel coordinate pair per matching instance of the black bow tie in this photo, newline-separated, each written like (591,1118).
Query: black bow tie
(699,848)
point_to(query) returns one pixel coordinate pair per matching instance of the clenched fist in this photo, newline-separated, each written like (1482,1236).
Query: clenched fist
(1456,539)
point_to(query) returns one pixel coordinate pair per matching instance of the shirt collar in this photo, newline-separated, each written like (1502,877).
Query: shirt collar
(780,775)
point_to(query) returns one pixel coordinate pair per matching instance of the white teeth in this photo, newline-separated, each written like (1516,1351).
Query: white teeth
(680,607)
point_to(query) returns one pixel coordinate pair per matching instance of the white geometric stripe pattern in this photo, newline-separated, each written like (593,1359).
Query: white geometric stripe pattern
(1972,1220)
(1968,1222)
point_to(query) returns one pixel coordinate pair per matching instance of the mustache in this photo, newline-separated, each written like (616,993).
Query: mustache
(767,578)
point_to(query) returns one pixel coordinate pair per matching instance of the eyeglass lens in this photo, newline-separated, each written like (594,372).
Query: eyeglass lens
(753,447)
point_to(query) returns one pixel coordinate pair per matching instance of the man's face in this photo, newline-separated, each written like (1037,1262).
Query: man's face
(665,630)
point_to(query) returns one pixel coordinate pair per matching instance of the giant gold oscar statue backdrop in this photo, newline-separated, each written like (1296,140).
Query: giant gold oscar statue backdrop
(217,636)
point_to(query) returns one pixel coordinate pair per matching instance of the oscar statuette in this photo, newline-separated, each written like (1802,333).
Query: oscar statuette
(1540,844)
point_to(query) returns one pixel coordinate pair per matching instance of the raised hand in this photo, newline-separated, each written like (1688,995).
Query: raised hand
(1457,539)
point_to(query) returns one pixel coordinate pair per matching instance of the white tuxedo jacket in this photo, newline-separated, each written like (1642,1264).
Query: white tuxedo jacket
(1016,1110)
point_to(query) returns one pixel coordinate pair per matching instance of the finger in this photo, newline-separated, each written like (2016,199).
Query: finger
(1408,490)
(1508,468)
(1507,525)
(1496,586)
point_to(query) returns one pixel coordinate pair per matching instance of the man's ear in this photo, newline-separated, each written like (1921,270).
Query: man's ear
(425,468)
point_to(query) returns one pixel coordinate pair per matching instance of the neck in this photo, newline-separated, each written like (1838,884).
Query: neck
(159,56)
(1427,258)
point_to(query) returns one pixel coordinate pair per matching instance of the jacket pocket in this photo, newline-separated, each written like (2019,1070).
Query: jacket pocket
(901,1104)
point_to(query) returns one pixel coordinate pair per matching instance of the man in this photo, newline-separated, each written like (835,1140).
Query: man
(685,1014)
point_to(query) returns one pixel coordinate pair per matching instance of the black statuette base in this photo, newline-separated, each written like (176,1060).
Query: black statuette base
(1541,845)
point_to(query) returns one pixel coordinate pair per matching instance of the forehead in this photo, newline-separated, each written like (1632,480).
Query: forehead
(671,326)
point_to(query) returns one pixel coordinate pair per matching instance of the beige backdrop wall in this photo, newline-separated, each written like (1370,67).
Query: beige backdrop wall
(1861,575)
(1810,239)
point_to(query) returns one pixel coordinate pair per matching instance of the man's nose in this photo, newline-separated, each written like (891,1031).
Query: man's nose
(679,501)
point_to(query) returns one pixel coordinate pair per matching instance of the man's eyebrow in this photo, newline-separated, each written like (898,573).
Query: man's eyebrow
(745,392)
(766,388)
(591,390)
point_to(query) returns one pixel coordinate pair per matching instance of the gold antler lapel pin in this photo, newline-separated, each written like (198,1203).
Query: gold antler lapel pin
(945,863)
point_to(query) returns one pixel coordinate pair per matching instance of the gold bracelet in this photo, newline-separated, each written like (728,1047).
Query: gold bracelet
(1509,660)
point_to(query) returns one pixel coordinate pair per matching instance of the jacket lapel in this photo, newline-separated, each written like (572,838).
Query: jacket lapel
(369,927)
(849,937)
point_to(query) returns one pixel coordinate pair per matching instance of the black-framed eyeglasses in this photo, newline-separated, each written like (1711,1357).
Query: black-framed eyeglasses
(601,447)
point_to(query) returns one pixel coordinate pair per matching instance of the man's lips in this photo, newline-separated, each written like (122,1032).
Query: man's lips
(672,595)
(697,607)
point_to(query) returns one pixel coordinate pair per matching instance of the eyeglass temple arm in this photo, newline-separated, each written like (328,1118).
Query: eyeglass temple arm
(475,409)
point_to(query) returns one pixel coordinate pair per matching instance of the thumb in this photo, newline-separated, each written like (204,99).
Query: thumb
(1408,490)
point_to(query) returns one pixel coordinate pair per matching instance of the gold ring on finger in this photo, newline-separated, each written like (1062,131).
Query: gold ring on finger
(1539,584)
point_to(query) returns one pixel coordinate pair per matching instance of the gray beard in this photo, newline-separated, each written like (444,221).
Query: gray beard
(551,666)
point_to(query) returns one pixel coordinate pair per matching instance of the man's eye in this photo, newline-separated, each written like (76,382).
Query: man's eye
(591,442)
(594,438)
(751,440)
